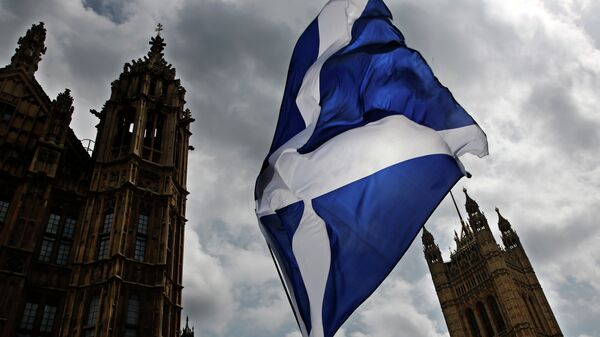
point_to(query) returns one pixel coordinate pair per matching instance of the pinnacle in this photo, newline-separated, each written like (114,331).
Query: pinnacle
(503,224)
(427,237)
(470,204)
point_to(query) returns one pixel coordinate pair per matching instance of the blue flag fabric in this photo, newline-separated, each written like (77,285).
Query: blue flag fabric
(366,146)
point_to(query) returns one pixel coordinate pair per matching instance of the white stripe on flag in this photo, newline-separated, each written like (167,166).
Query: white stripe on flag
(348,157)
(332,37)
(468,139)
(313,254)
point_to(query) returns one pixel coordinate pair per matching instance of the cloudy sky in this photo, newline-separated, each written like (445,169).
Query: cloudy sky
(527,70)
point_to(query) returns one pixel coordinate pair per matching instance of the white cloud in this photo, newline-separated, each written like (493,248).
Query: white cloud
(207,289)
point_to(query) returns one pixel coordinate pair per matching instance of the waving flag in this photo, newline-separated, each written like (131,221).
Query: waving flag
(366,146)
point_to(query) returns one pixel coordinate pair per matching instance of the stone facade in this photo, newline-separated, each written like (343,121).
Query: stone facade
(91,244)
(487,290)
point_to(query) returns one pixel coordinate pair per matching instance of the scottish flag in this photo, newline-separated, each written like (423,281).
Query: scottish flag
(366,146)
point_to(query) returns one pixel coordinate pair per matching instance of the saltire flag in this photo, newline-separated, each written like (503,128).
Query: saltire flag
(366,146)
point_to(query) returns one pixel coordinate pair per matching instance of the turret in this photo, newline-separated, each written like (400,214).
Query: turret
(509,236)
(145,115)
(30,50)
(61,111)
(477,220)
(431,250)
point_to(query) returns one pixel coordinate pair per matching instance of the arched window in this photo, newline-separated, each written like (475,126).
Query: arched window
(500,325)
(483,315)
(153,136)
(125,131)
(473,323)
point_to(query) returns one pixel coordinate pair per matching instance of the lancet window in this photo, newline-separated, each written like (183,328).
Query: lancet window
(153,134)
(125,130)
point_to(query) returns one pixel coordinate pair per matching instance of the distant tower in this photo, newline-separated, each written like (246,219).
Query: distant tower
(127,271)
(486,290)
(187,332)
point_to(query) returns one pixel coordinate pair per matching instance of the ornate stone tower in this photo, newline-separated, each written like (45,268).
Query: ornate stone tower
(486,290)
(44,178)
(127,271)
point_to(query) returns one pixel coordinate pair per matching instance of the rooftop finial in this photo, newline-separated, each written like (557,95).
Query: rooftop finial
(159,28)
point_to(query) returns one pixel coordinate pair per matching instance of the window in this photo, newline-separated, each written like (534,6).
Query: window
(104,244)
(133,310)
(496,313)
(3,211)
(140,249)
(52,225)
(473,323)
(69,230)
(46,250)
(125,130)
(140,239)
(63,253)
(103,249)
(28,316)
(6,112)
(153,136)
(48,318)
(485,319)
(142,225)
(93,311)
(92,316)
(108,221)
(58,239)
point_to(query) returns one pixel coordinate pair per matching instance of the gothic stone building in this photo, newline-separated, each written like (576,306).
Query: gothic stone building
(486,290)
(92,245)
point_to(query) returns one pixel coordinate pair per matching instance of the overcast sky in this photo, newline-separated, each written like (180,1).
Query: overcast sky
(528,71)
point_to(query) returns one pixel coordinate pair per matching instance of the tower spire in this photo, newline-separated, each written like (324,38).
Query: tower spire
(471,205)
(503,224)
(187,332)
(431,250)
(30,50)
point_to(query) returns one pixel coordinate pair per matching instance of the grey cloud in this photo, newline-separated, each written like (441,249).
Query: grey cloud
(115,10)
(552,105)
(237,63)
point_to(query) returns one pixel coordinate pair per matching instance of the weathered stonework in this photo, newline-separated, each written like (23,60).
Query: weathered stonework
(486,290)
(92,245)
